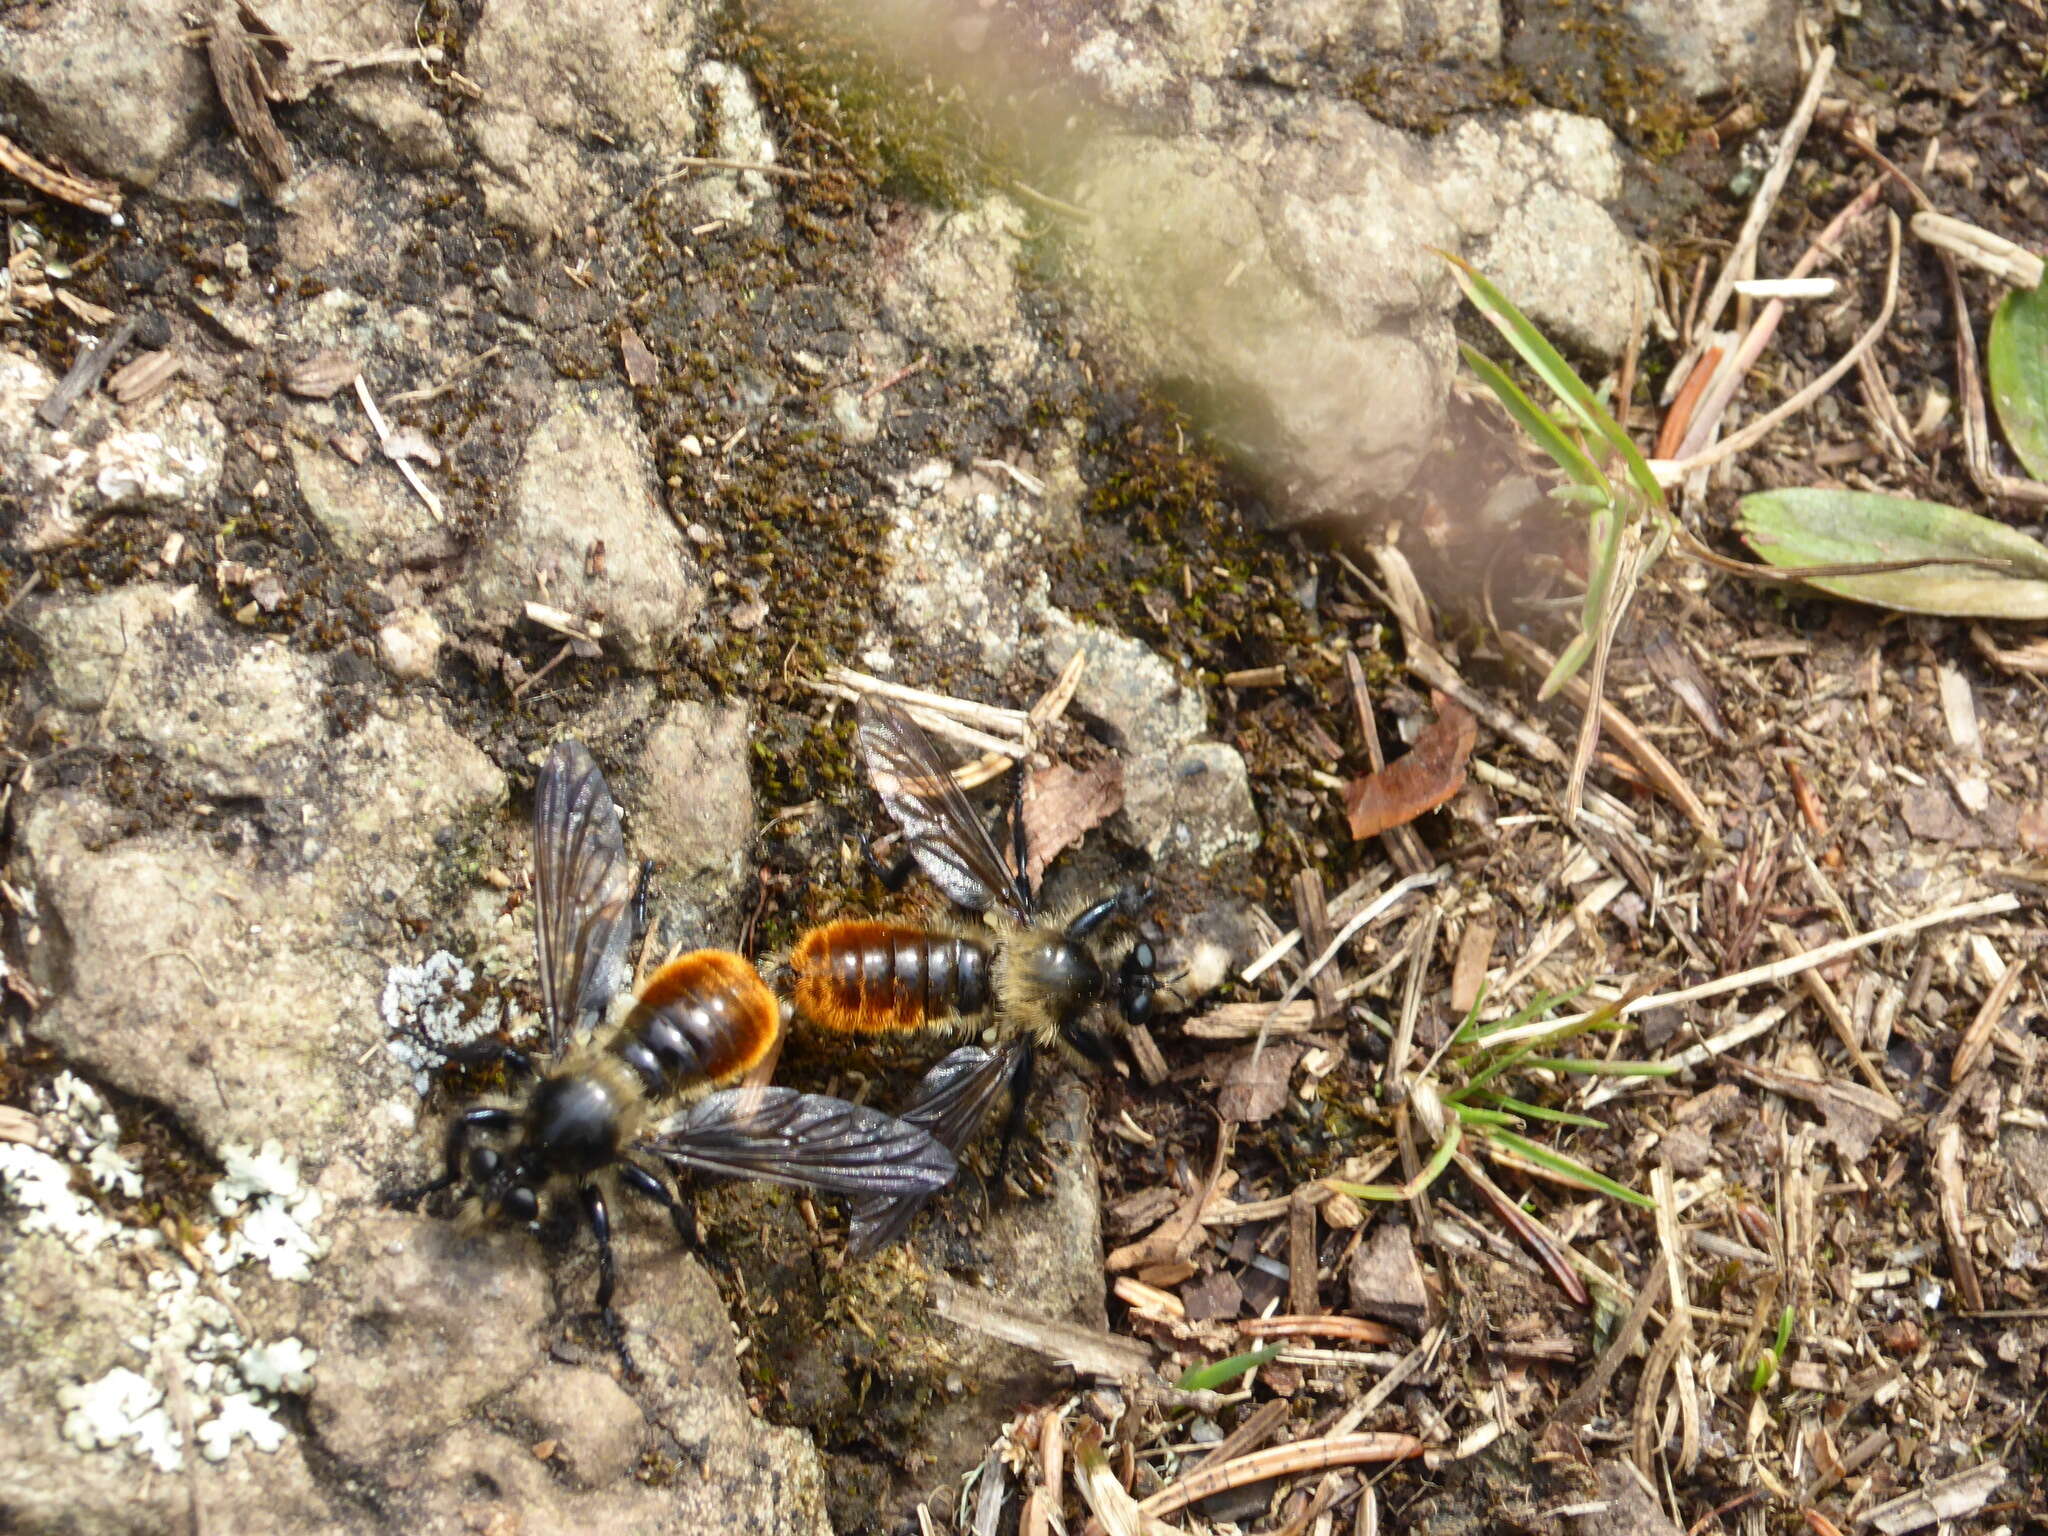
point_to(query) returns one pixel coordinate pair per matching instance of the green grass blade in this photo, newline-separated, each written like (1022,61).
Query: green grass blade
(1571,1168)
(1472,1114)
(1454,1133)
(1538,423)
(1221,1373)
(1554,371)
(1530,1111)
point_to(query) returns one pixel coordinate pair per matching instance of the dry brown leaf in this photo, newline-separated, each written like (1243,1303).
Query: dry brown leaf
(1430,773)
(642,370)
(1257,1090)
(1061,805)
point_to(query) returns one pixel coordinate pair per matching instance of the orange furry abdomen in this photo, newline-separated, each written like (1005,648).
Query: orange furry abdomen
(861,977)
(720,1003)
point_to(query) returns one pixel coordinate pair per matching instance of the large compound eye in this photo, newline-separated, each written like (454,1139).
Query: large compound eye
(483,1162)
(521,1204)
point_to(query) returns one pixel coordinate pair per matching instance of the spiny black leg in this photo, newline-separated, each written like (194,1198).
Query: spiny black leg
(1094,917)
(640,901)
(1020,848)
(482,1118)
(607,1274)
(681,1211)
(1021,1077)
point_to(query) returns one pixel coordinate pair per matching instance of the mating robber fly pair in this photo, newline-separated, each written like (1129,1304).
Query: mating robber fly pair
(618,1056)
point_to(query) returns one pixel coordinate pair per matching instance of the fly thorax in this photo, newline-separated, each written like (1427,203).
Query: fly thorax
(1061,974)
(573,1125)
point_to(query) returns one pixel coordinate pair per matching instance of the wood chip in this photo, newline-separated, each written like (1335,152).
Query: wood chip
(1146,1055)
(1240,1021)
(246,54)
(92,314)
(1386,1279)
(1255,1087)
(92,364)
(146,377)
(100,197)
(1091,1351)
(1468,972)
(643,371)
(322,376)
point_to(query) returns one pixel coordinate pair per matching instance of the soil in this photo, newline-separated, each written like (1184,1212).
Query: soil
(1823,738)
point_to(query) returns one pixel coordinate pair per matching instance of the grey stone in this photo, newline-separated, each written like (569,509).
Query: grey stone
(587,481)
(1127,686)
(695,816)
(410,644)
(620,66)
(955,284)
(1527,194)
(229,713)
(169,452)
(1386,1279)
(1194,803)
(1711,46)
(739,132)
(1223,281)
(595,1426)
(111,87)
(419,1325)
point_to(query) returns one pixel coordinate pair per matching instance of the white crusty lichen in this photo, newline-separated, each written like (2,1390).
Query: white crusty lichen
(230,1384)
(273,1213)
(427,1009)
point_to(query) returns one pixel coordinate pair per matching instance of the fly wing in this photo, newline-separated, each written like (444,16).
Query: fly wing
(582,892)
(806,1140)
(951,1102)
(943,829)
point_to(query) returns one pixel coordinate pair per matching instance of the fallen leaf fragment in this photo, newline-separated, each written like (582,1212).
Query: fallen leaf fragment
(1429,773)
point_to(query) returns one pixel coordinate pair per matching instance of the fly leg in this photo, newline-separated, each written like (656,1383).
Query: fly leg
(891,876)
(1021,1078)
(607,1276)
(482,1118)
(681,1211)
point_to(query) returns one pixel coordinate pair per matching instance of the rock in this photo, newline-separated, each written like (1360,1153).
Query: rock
(1194,803)
(231,714)
(419,1326)
(612,72)
(586,485)
(1248,288)
(166,453)
(67,1319)
(695,817)
(739,132)
(410,645)
(959,546)
(114,89)
(955,285)
(1386,1279)
(1127,686)
(1723,45)
(595,1427)
(1526,194)
(1625,1506)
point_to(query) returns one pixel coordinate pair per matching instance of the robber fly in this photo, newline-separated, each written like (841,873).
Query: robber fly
(1030,981)
(629,1071)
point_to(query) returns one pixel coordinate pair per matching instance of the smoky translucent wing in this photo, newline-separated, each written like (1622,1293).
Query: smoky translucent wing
(951,1101)
(582,892)
(803,1139)
(944,831)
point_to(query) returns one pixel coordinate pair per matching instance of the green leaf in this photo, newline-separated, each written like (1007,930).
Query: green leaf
(1826,527)
(1530,1111)
(1587,1066)
(2016,362)
(1571,1168)
(1221,1373)
(1538,423)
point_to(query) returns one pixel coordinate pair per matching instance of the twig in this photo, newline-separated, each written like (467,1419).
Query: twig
(1767,192)
(391,448)
(100,197)
(685,164)
(1669,471)
(1995,254)
(1282,1461)
(85,373)
(1372,910)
